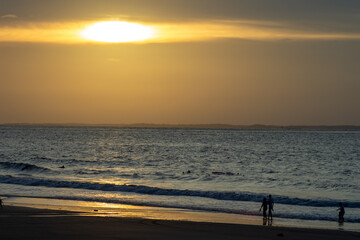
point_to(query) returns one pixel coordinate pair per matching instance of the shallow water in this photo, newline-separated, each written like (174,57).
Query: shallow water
(226,171)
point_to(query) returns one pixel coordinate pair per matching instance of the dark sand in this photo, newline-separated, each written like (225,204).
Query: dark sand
(31,223)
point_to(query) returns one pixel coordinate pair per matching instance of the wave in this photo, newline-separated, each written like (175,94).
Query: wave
(141,189)
(23,167)
(93,172)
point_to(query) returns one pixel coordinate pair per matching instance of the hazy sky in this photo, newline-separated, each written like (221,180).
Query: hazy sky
(281,62)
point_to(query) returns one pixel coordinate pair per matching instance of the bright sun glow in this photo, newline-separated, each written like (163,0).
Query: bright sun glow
(116,31)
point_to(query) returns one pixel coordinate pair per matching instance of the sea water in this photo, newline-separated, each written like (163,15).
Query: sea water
(307,172)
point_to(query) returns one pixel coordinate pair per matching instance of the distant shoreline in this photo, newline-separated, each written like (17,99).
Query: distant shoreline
(197,126)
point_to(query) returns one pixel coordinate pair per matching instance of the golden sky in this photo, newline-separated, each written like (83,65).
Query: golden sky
(236,62)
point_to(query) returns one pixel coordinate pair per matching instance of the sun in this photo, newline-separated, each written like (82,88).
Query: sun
(116,31)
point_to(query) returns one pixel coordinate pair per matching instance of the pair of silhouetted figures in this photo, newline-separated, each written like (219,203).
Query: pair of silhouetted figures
(267,204)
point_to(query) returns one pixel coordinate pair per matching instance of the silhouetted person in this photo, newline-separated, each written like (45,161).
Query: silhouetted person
(341,210)
(264,207)
(271,206)
(1,203)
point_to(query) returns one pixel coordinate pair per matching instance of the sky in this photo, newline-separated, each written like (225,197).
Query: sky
(275,62)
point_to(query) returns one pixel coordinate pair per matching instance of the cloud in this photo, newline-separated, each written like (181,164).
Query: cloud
(9,16)
(247,30)
(323,16)
(317,14)
(70,32)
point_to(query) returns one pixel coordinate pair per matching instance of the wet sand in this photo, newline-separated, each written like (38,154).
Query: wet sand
(30,223)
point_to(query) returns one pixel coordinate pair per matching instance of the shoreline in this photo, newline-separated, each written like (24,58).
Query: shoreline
(25,223)
(100,209)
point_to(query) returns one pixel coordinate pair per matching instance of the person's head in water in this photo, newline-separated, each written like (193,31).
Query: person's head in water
(269,195)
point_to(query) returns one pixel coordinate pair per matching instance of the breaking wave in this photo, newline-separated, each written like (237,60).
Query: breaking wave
(142,189)
(23,167)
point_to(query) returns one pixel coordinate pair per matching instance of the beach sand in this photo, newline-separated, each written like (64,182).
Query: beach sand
(33,223)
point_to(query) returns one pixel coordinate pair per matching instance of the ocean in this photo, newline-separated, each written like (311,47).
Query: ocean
(308,172)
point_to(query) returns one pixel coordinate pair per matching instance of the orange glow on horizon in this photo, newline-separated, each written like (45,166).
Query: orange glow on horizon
(103,32)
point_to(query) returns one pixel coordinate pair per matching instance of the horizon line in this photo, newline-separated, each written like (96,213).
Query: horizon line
(204,125)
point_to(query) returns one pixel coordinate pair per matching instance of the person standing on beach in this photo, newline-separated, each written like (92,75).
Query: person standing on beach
(341,210)
(271,206)
(264,207)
